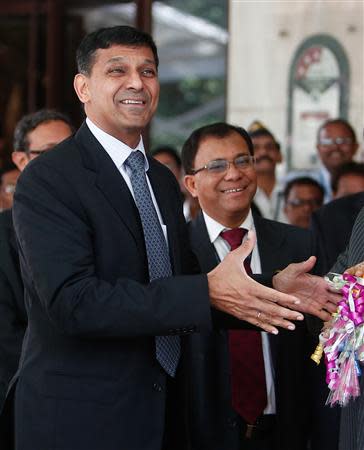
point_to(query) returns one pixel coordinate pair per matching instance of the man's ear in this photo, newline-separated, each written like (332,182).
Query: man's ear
(190,183)
(20,159)
(80,84)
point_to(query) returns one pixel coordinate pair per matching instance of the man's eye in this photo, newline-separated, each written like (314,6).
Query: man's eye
(149,72)
(216,166)
(116,70)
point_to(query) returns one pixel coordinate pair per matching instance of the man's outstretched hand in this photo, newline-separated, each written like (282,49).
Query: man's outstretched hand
(234,292)
(313,291)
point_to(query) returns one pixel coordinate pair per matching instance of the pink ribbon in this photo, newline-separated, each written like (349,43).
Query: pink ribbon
(350,316)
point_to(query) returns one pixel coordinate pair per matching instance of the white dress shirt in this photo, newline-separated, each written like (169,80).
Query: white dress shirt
(222,248)
(119,152)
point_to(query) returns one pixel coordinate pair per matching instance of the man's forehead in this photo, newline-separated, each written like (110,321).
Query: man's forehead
(48,126)
(48,134)
(122,53)
(332,128)
(215,147)
(262,138)
(305,189)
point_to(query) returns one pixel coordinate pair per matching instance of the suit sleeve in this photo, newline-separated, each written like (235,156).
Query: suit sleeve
(55,238)
(12,323)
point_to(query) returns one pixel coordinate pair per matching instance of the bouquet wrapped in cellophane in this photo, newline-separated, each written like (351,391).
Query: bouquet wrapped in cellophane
(342,340)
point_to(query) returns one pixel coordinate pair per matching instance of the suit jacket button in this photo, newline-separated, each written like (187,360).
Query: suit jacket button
(157,387)
(232,423)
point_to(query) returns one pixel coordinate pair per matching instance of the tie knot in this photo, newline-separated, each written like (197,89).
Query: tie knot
(234,237)
(135,161)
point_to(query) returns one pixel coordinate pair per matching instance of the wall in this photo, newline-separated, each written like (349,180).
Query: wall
(264,36)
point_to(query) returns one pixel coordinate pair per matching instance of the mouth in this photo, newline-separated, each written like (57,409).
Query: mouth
(129,101)
(232,190)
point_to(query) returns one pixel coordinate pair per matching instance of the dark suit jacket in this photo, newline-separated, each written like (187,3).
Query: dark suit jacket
(13,322)
(214,425)
(88,377)
(13,319)
(332,225)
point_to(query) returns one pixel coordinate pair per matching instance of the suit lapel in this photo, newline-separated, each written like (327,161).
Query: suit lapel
(201,245)
(110,182)
(269,246)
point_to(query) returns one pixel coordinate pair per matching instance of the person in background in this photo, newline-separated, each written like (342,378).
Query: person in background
(169,157)
(336,145)
(34,134)
(348,179)
(302,196)
(268,198)
(8,178)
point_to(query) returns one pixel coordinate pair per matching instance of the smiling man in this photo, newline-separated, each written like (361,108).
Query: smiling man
(268,155)
(243,386)
(103,247)
(336,145)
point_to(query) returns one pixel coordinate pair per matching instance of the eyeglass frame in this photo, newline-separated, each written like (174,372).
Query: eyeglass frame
(249,158)
(300,202)
(328,142)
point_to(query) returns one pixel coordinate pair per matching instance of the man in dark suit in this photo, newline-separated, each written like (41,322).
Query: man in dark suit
(225,187)
(332,225)
(101,232)
(34,133)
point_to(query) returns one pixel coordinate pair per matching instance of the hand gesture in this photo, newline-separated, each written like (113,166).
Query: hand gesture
(313,291)
(234,292)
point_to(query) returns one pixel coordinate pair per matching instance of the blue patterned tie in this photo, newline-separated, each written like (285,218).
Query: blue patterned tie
(168,348)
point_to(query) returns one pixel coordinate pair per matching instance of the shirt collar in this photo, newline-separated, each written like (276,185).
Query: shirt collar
(117,150)
(215,228)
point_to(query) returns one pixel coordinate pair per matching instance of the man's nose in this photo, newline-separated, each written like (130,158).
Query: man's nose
(232,171)
(134,81)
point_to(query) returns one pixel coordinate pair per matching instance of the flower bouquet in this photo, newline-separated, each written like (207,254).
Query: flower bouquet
(342,340)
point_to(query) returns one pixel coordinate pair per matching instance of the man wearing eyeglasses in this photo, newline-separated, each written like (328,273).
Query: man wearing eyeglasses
(336,145)
(246,390)
(302,196)
(34,134)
